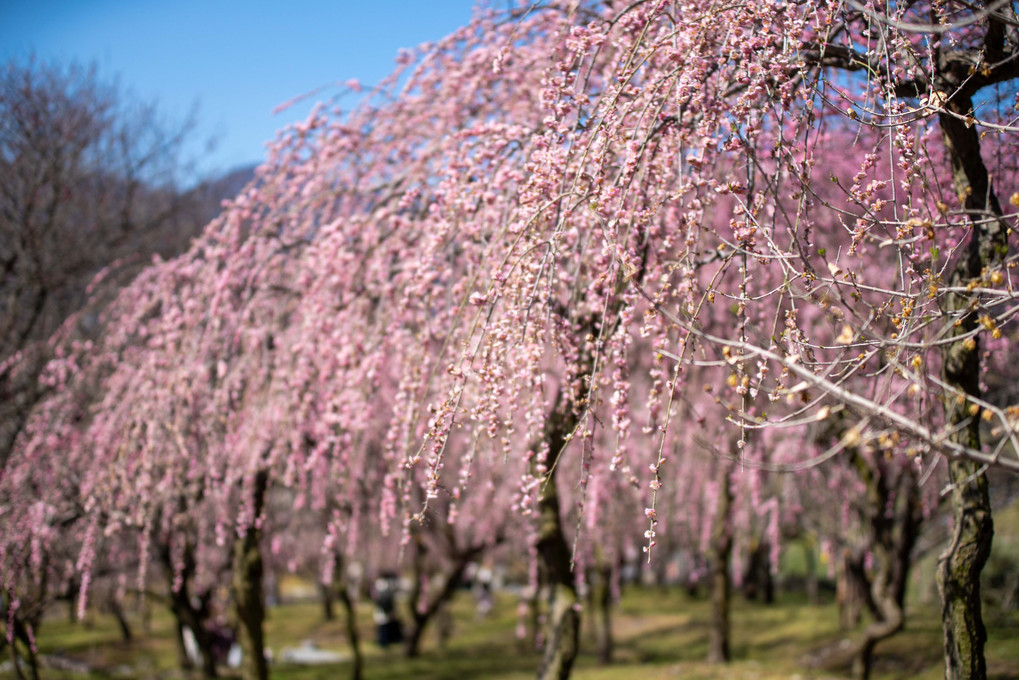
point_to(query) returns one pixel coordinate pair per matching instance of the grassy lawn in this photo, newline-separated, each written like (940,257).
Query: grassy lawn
(659,634)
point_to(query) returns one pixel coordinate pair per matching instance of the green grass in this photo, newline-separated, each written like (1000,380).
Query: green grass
(659,633)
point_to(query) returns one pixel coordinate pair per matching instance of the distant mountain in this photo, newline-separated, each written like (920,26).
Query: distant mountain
(207,198)
(228,185)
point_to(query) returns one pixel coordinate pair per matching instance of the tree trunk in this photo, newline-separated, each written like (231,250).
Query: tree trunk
(249,604)
(758,582)
(959,569)
(718,575)
(444,625)
(118,613)
(30,657)
(895,516)
(601,599)
(422,613)
(412,646)
(849,589)
(19,634)
(325,595)
(563,629)
(195,619)
(960,564)
(529,618)
(357,661)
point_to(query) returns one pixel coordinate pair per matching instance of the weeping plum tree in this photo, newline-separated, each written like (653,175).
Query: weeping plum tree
(585,241)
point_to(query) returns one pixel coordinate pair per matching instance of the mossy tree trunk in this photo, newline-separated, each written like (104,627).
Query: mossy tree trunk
(249,600)
(959,566)
(562,636)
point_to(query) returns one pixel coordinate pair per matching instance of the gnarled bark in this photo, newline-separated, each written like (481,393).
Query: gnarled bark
(959,566)
(563,631)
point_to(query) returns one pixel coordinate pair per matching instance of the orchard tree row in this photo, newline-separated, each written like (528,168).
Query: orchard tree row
(582,277)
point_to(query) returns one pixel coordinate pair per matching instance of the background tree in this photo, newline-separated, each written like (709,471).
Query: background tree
(91,181)
(90,178)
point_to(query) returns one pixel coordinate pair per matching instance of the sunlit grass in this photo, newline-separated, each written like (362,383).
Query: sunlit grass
(659,634)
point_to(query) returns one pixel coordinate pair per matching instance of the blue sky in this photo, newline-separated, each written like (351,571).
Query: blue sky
(236,60)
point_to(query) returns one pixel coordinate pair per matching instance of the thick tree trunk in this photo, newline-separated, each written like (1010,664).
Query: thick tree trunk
(249,602)
(960,565)
(718,574)
(562,636)
(563,625)
(357,660)
(959,569)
